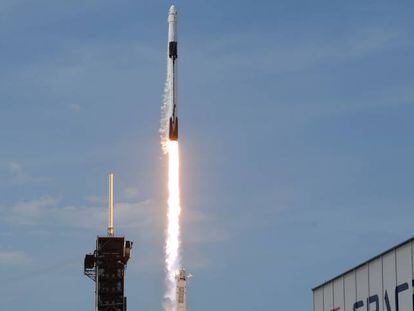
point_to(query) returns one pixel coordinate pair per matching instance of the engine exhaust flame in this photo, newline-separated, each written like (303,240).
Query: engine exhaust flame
(172,243)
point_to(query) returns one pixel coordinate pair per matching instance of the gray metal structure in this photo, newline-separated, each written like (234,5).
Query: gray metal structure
(106,265)
(182,278)
(383,283)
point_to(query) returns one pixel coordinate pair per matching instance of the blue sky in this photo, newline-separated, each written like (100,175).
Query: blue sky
(296,142)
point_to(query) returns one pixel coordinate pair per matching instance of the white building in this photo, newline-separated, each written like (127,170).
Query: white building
(383,283)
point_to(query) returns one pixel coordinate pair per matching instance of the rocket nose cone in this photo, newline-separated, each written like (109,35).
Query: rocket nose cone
(172,10)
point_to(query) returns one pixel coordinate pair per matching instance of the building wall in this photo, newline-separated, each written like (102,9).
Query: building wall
(383,284)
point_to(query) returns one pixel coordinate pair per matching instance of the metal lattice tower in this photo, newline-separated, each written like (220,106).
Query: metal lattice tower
(106,265)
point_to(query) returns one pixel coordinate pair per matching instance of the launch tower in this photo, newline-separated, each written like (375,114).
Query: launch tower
(182,290)
(106,265)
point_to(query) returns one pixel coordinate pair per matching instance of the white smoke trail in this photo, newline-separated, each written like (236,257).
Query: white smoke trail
(172,245)
(172,242)
(166,110)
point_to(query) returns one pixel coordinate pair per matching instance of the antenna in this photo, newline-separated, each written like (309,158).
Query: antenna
(111,205)
(107,263)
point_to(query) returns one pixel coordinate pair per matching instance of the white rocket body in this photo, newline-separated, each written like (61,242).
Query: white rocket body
(172,24)
(172,68)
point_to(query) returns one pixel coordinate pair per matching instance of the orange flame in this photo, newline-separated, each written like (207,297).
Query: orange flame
(172,246)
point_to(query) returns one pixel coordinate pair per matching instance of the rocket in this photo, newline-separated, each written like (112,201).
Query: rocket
(172,68)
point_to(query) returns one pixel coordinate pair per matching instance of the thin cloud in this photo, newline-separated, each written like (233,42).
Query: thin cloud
(19,175)
(49,212)
(75,107)
(285,55)
(204,228)
(13,258)
(131,193)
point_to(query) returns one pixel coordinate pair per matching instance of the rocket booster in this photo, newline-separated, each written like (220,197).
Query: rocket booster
(172,68)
